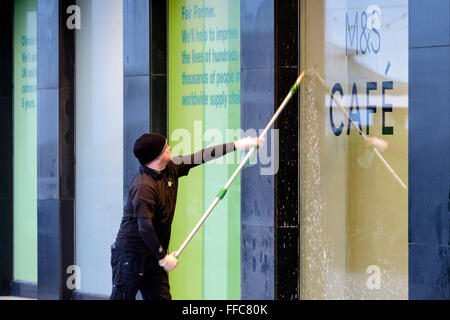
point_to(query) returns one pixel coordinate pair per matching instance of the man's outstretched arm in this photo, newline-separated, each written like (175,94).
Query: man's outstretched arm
(185,163)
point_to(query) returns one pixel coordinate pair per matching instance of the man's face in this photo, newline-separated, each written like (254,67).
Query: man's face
(166,155)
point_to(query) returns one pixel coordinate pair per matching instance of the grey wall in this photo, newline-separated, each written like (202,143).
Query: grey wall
(429,149)
(269,213)
(136,64)
(48,164)
(257,191)
(56,152)
(145,76)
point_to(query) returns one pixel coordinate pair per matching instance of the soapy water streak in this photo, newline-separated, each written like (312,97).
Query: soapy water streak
(321,278)
(315,261)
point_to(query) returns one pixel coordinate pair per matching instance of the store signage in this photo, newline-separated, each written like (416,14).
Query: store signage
(355,110)
(363,36)
(363,48)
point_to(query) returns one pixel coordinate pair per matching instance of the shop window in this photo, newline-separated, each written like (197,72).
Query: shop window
(25,141)
(99,140)
(354,173)
(204,110)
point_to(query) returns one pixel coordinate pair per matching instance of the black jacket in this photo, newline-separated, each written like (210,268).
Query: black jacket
(150,207)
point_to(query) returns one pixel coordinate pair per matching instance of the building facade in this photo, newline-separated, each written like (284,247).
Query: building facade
(349,198)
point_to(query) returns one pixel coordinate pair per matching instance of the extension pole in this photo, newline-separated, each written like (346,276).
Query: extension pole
(224,190)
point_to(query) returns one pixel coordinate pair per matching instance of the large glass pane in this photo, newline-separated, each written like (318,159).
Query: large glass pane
(204,102)
(354,149)
(99,139)
(25,141)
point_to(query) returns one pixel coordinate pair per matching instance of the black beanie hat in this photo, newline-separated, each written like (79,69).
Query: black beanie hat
(149,147)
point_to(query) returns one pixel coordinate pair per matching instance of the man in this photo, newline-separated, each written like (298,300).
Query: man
(139,258)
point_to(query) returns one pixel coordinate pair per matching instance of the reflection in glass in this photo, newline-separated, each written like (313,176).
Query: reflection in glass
(354,162)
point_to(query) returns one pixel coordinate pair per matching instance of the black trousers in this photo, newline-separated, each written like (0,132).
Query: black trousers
(133,272)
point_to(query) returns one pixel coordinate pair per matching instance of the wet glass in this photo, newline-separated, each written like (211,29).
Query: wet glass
(354,149)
